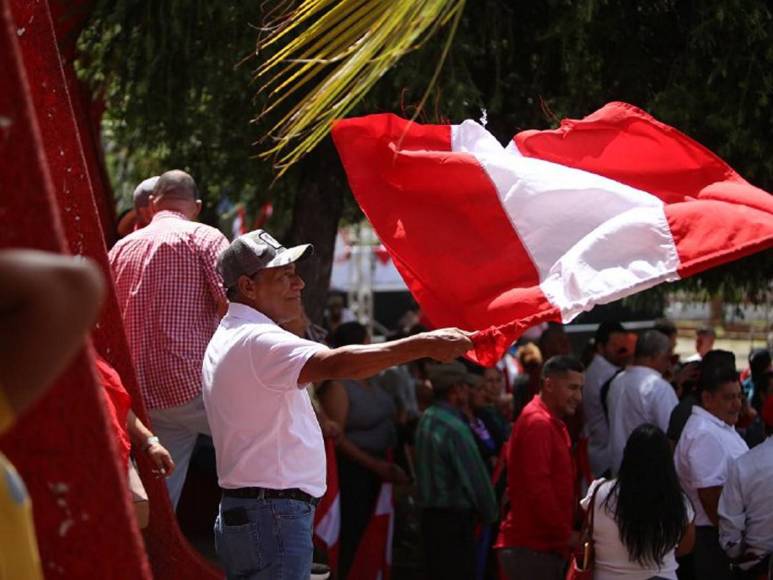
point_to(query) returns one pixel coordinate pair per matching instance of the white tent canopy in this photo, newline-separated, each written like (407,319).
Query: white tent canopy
(360,260)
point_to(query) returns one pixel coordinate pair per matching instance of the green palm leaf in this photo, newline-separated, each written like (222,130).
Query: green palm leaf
(335,51)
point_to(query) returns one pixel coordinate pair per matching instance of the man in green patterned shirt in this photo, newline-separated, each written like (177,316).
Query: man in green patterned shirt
(454,487)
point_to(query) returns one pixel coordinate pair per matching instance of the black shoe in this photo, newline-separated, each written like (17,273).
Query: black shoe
(320,572)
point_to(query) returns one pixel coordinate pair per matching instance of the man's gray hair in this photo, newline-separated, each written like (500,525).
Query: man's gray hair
(652,343)
(143,192)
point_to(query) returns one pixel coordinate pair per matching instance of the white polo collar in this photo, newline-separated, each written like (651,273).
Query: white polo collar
(705,415)
(644,370)
(244,312)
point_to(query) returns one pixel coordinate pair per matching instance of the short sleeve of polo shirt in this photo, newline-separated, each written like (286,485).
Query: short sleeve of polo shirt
(279,356)
(707,460)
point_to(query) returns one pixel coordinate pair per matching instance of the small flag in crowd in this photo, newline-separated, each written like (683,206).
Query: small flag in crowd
(240,225)
(373,559)
(327,517)
(499,239)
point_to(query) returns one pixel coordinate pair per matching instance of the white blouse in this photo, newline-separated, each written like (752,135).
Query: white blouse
(611,556)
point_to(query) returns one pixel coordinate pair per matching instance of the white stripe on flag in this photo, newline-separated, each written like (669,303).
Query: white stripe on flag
(384,501)
(329,527)
(390,536)
(591,239)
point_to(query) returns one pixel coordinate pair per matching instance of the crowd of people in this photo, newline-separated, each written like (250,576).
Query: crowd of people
(497,458)
(664,466)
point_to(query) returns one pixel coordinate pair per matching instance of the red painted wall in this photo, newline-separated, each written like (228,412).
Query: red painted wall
(50,188)
(62,448)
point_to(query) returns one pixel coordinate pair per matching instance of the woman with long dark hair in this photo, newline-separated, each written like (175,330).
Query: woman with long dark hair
(642,519)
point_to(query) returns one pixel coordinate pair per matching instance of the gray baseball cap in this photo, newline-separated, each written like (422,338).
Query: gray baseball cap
(255,251)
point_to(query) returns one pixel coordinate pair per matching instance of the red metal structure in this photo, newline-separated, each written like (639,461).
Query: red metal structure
(52,197)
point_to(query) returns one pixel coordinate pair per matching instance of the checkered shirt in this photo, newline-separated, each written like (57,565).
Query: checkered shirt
(168,292)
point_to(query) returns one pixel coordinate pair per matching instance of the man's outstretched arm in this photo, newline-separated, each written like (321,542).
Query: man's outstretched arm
(363,361)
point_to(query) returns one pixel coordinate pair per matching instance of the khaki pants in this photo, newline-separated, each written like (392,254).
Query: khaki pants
(178,428)
(139,497)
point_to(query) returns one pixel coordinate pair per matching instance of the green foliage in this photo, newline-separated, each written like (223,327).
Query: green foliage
(175,92)
(176,97)
(330,53)
(704,67)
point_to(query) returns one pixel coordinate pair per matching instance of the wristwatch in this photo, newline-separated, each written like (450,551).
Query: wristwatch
(149,442)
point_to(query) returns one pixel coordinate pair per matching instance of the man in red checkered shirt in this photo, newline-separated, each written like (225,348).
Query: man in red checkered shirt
(171,299)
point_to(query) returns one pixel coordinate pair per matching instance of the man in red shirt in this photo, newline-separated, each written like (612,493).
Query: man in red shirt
(536,536)
(171,297)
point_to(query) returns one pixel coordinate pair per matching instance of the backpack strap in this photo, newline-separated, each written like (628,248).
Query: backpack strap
(605,391)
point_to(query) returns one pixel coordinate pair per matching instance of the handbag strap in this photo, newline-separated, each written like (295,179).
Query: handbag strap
(587,526)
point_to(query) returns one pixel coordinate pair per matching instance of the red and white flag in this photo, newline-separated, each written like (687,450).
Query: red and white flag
(240,225)
(373,559)
(500,238)
(327,517)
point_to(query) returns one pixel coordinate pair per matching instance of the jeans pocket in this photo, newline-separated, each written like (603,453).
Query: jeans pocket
(238,548)
(290,509)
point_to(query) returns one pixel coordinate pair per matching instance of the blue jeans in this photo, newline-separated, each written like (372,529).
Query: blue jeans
(265,539)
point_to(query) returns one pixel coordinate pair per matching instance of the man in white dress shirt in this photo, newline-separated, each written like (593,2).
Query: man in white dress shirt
(268,444)
(640,394)
(611,354)
(746,505)
(708,445)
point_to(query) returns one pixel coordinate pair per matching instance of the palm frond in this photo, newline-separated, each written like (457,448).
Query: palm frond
(335,51)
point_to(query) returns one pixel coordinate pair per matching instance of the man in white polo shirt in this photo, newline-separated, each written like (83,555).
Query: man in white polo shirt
(268,444)
(746,505)
(709,443)
(640,394)
(611,354)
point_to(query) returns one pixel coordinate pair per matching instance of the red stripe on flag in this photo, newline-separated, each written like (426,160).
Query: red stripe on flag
(373,559)
(439,216)
(708,233)
(715,216)
(441,219)
(622,142)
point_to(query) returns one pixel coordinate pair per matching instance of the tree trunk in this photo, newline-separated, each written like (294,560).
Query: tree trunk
(716,311)
(317,210)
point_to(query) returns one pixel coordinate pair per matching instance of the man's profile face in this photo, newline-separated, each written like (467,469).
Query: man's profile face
(725,402)
(277,293)
(565,390)
(616,349)
(662,361)
(672,342)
